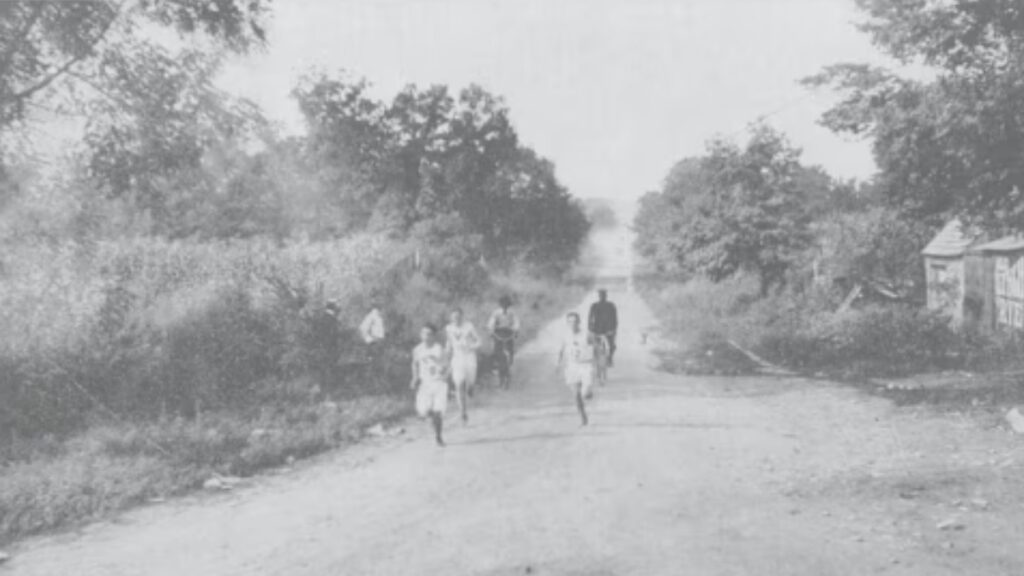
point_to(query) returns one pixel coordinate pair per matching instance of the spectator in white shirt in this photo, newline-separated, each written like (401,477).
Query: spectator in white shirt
(372,327)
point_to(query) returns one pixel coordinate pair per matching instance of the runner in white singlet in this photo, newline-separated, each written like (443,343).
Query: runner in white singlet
(430,379)
(462,342)
(576,358)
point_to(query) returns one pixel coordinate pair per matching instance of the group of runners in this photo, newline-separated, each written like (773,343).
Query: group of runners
(449,365)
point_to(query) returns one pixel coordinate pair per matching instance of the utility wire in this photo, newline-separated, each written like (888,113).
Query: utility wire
(774,112)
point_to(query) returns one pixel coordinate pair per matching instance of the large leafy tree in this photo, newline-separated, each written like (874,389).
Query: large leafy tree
(164,138)
(954,143)
(735,209)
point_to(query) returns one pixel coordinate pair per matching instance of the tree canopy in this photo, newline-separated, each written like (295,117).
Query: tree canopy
(46,42)
(951,144)
(428,154)
(736,208)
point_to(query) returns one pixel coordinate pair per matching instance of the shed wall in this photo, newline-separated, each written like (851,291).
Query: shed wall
(946,286)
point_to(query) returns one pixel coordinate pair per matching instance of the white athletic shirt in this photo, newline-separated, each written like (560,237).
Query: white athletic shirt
(463,339)
(578,348)
(372,327)
(430,361)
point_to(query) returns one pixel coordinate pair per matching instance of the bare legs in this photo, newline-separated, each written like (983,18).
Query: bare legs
(437,423)
(461,395)
(580,405)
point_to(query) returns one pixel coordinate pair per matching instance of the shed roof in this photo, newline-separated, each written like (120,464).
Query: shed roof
(1007,244)
(952,241)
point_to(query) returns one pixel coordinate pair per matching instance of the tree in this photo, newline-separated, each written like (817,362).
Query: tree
(735,209)
(952,145)
(164,138)
(44,43)
(429,155)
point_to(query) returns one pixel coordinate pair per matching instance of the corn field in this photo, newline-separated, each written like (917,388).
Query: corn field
(148,327)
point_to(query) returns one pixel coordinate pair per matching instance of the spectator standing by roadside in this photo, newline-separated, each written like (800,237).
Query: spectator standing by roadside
(373,332)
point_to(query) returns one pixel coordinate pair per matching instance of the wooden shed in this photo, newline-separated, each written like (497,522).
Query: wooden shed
(945,263)
(995,273)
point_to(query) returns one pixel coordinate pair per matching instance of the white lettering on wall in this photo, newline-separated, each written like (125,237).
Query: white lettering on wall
(1009,280)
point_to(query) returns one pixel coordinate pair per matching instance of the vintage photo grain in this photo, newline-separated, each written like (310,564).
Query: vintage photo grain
(511,287)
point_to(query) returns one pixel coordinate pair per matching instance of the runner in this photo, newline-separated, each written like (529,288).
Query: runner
(576,359)
(604,321)
(429,379)
(462,342)
(503,326)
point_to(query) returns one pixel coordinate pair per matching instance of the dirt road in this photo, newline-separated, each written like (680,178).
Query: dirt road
(674,476)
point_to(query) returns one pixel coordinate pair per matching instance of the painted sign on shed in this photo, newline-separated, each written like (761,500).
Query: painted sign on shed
(1009,293)
(1005,259)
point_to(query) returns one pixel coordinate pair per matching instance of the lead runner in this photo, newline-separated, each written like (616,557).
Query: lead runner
(576,359)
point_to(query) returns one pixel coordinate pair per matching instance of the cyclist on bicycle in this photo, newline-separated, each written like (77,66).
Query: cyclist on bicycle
(604,321)
(503,326)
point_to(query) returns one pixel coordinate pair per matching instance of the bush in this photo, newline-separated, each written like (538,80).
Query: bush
(878,340)
(801,330)
(150,326)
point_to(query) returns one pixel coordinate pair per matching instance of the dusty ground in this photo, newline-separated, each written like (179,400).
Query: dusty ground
(676,475)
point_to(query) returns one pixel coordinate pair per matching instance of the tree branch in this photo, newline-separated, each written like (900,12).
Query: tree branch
(47,80)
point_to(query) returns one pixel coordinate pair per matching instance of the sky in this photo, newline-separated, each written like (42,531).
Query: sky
(613,91)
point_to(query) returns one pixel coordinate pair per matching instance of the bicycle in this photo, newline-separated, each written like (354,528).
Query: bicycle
(502,358)
(601,358)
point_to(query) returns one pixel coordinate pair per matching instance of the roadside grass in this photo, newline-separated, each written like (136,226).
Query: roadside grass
(979,393)
(707,355)
(112,467)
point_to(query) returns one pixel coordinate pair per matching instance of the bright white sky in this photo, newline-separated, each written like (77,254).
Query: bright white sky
(613,91)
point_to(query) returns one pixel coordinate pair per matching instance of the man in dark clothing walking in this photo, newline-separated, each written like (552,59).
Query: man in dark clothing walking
(604,321)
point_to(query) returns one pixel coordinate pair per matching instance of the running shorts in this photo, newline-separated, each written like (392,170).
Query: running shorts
(432,396)
(464,369)
(581,375)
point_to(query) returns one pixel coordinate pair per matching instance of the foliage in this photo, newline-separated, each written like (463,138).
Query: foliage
(872,245)
(170,143)
(155,326)
(875,341)
(48,484)
(802,331)
(428,154)
(43,44)
(948,145)
(732,210)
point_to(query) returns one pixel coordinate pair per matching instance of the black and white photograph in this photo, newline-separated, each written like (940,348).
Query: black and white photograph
(511,287)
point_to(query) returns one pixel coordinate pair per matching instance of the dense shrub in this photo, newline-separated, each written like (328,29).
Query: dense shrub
(878,340)
(148,326)
(803,331)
